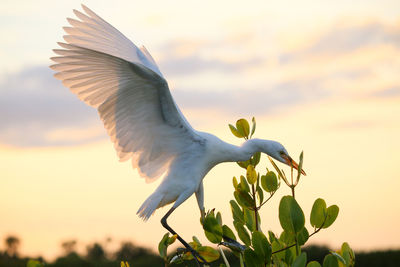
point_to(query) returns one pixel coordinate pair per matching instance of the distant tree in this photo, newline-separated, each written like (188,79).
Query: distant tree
(383,258)
(12,244)
(128,251)
(95,252)
(106,244)
(138,255)
(72,259)
(68,246)
(316,252)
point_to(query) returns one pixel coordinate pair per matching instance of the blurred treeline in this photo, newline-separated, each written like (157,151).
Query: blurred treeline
(97,255)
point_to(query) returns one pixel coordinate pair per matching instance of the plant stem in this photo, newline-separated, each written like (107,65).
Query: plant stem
(292,186)
(291,174)
(266,200)
(297,247)
(316,231)
(280,250)
(255,206)
(283,249)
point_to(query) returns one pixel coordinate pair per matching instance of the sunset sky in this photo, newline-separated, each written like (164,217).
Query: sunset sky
(318,77)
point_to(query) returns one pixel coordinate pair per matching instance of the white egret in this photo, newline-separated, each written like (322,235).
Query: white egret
(107,71)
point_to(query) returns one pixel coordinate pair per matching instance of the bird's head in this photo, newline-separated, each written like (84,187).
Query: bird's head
(277,151)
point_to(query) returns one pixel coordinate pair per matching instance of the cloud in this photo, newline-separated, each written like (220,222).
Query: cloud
(192,64)
(34,105)
(282,96)
(36,110)
(388,93)
(345,38)
(356,124)
(187,56)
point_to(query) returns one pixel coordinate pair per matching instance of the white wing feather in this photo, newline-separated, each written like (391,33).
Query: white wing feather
(107,71)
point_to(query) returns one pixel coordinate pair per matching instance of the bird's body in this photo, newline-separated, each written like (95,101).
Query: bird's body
(107,71)
(188,171)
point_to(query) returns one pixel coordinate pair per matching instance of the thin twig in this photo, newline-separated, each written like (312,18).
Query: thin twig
(266,200)
(223,256)
(316,231)
(282,249)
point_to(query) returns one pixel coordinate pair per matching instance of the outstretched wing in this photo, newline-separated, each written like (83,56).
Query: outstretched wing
(107,71)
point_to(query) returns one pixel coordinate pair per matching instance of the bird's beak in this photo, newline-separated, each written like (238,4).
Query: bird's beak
(292,163)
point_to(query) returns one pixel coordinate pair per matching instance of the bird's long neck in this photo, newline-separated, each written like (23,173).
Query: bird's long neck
(247,149)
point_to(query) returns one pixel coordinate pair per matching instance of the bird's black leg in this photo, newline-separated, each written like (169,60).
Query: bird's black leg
(195,254)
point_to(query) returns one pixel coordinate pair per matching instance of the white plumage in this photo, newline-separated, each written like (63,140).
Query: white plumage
(107,71)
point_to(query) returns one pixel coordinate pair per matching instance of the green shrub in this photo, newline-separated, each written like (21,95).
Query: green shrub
(247,240)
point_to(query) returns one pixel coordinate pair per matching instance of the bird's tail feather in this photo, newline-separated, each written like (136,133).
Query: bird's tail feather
(149,206)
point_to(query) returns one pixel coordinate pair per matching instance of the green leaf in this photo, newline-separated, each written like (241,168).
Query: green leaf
(260,193)
(243,198)
(330,261)
(302,236)
(339,257)
(212,229)
(253,126)
(235,131)
(269,182)
(318,213)
(348,254)
(250,219)
(242,233)
(251,258)
(332,213)
(226,231)
(196,241)
(286,238)
(275,246)
(255,159)
(243,184)
(194,245)
(243,127)
(35,263)
(162,246)
(243,164)
(251,174)
(187,256)
(171,239)
(290,255)
(313,264)
(300,167)
(261,246)
(237,213)
(280,174)
(271,237)
(208,253)
(300,261)
(219,218)
(291,216)
(234,182)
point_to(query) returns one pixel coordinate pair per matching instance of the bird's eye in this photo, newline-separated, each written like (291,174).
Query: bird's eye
(282,153)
